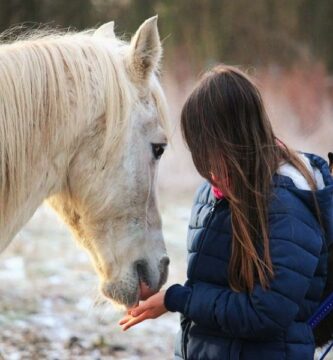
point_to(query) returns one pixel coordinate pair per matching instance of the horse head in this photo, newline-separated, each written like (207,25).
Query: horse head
(108,198)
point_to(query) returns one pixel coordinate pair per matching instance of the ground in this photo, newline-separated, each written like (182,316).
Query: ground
(50,307)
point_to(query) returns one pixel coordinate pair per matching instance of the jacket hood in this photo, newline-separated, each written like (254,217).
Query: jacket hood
(289,177)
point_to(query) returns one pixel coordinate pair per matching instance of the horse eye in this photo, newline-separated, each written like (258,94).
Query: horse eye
(158,150)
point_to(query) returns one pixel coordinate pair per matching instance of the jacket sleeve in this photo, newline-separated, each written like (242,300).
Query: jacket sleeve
(262,312)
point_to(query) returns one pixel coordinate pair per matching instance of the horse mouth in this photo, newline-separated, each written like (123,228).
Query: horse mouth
(145,291)
(145,288)
(143,285)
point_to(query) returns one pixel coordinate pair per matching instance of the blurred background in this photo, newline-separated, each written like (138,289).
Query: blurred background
(49,307)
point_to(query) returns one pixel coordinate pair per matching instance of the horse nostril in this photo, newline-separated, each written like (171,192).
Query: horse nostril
(165,261)
(163,267)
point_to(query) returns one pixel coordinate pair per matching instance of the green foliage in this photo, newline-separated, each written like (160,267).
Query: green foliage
(202,32)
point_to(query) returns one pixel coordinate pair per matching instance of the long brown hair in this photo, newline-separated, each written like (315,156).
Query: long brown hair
(233,146)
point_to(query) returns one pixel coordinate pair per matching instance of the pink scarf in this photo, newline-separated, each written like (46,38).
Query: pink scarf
(217,192)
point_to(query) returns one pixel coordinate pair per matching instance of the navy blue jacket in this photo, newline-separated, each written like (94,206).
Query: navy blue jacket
(220,324)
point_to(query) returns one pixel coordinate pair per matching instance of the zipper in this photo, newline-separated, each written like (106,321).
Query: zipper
(188,323)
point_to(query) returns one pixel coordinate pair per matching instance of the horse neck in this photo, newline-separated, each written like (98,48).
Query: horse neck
(46,178)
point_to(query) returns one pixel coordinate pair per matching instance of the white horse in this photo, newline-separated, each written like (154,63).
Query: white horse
(83,122)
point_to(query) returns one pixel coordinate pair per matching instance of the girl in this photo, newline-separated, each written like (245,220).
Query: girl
(258,234)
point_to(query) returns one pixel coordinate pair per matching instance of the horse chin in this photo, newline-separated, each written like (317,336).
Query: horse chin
(121,293)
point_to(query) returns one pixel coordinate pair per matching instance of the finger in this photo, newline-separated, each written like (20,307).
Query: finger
(129,311)
(136,320)
(140,309)
(143,306)
(124,319)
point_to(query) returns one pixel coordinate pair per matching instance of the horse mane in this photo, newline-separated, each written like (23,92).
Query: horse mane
(45,83)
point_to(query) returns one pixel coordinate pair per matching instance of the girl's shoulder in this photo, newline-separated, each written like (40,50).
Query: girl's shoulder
(293,197)
(204,194)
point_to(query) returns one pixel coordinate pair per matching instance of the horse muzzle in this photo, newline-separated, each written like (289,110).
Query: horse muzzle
(144,282)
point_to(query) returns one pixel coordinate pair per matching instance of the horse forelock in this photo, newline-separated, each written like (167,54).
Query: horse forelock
(161,105)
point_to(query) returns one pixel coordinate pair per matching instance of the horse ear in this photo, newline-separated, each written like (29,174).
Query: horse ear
(145,50)
(106,30)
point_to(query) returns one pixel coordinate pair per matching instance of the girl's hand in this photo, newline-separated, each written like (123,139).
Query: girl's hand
(152,308)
